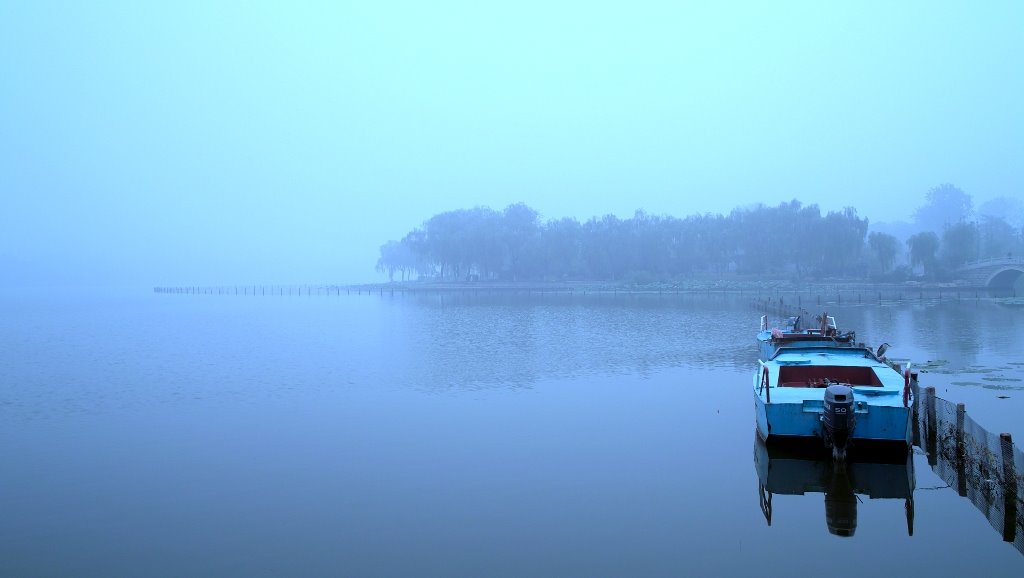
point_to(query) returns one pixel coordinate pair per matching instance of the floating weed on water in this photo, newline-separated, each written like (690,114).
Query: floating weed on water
(940,366)
(993,383)
(995,387)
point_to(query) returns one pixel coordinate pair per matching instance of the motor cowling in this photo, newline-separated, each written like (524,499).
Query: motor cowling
(838,417)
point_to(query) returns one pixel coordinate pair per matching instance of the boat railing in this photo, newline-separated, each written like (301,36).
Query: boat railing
(766,386)
(897,367)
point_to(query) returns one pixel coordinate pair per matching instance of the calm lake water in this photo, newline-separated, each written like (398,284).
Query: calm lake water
(448,435)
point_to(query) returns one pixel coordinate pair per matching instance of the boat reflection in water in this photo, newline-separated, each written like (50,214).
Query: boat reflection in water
(791,472)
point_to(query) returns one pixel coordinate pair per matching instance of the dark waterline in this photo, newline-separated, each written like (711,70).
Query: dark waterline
(450,435)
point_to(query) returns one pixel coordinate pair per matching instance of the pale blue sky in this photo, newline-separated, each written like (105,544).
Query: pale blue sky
(211,142)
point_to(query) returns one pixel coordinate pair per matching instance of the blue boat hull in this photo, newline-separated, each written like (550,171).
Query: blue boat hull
(821,385)
(875,423)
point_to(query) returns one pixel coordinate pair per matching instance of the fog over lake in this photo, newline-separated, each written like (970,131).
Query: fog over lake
(230,143)
(464,289)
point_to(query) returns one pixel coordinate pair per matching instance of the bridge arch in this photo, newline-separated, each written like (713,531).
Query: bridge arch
(1004,277)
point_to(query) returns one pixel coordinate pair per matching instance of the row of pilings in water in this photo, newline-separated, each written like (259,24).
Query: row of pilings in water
(782,301)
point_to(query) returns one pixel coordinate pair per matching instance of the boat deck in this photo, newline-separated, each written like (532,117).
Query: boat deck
(799,375)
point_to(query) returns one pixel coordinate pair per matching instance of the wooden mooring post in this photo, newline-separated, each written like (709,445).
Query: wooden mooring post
(1009,488)
(930,433)
(961,451)
(916,408)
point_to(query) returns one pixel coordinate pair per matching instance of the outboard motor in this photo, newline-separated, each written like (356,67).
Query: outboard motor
(838,418)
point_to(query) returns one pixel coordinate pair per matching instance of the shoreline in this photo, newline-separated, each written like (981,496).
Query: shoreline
(691,286)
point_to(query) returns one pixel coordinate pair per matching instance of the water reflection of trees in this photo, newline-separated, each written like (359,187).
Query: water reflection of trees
(514,340)
(470,339)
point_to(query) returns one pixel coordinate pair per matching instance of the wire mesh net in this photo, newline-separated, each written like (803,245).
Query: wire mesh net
(984,467)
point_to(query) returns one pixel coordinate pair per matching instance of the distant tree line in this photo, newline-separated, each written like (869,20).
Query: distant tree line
(951,233)
(790,239)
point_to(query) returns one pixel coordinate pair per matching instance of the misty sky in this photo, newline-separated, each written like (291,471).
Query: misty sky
(207,142)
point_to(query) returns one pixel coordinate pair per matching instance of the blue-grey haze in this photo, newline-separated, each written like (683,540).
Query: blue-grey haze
(205,142)
(223,142)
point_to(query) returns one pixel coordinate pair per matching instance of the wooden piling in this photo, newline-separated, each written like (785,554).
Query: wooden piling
(930,423)
(1009,488)
(961,452)
(915,391)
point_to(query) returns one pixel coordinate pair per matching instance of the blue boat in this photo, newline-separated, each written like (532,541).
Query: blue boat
(823,386)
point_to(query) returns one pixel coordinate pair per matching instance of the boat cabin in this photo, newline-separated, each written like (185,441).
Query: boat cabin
(794,328)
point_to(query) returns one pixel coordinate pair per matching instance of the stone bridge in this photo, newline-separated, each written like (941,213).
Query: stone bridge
(993,273)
